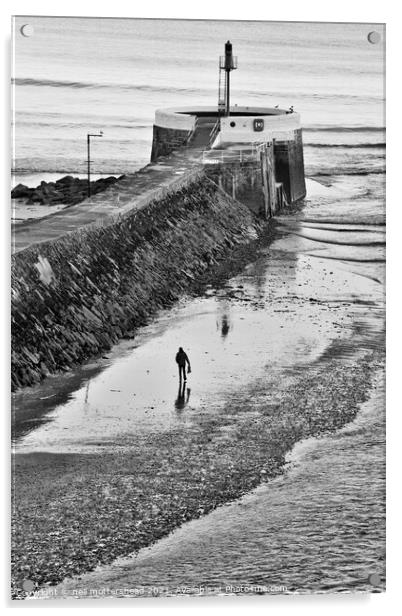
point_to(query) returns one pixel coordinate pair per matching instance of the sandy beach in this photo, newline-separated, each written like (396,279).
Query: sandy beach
(140,472)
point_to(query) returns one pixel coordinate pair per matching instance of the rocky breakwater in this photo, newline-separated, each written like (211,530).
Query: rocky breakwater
(68,190)
(74,297)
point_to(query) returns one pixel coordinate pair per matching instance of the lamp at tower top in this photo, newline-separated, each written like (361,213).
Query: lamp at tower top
(228,63)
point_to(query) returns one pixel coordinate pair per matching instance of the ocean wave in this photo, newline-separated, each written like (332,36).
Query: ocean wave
(366,242)
(53,83)
(28,81)
(340,221)
(347,258)
(291,96)
(345,145)
(22,172)
(60,124)
(161,88)
(343,129)
(337,172)
(118,169)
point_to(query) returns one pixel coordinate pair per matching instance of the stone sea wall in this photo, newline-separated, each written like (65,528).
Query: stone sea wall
(289,167)
(74,297)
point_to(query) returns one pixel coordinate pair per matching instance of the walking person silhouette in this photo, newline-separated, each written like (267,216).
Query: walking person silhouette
(181,360)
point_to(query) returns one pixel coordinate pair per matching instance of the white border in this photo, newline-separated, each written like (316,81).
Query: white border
(292,10)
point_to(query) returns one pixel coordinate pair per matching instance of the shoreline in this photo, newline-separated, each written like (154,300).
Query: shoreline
(122,510)
(182,563)
(132,498)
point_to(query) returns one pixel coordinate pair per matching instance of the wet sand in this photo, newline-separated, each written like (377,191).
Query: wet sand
(335,476)
(286,349)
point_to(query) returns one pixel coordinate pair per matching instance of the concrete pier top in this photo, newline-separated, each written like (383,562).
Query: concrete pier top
(239,127)
(184,117)
(133,191)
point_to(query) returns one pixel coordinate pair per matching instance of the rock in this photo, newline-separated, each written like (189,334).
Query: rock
(56,196)
(67,179)
(21,192)
(68,189)
(37,197)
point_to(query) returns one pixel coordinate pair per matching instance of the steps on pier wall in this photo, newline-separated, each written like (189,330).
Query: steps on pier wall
(75,296)
(166,140)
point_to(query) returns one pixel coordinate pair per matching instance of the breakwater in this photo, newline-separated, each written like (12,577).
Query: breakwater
(68,190)
(78,294)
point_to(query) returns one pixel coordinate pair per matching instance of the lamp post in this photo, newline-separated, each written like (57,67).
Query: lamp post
(89,135)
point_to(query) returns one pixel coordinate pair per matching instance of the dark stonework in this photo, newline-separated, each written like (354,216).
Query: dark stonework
(165,140)
(241,182)
(289,167)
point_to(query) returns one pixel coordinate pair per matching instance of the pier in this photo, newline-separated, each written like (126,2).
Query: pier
(266,172)
(256,152)
(88,274)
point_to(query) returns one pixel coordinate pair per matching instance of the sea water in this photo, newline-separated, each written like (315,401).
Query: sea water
(80,75)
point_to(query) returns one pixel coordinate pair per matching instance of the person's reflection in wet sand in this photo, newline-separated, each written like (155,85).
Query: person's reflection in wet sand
(86,402)
(183,396)
(223,321)
(225,326)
